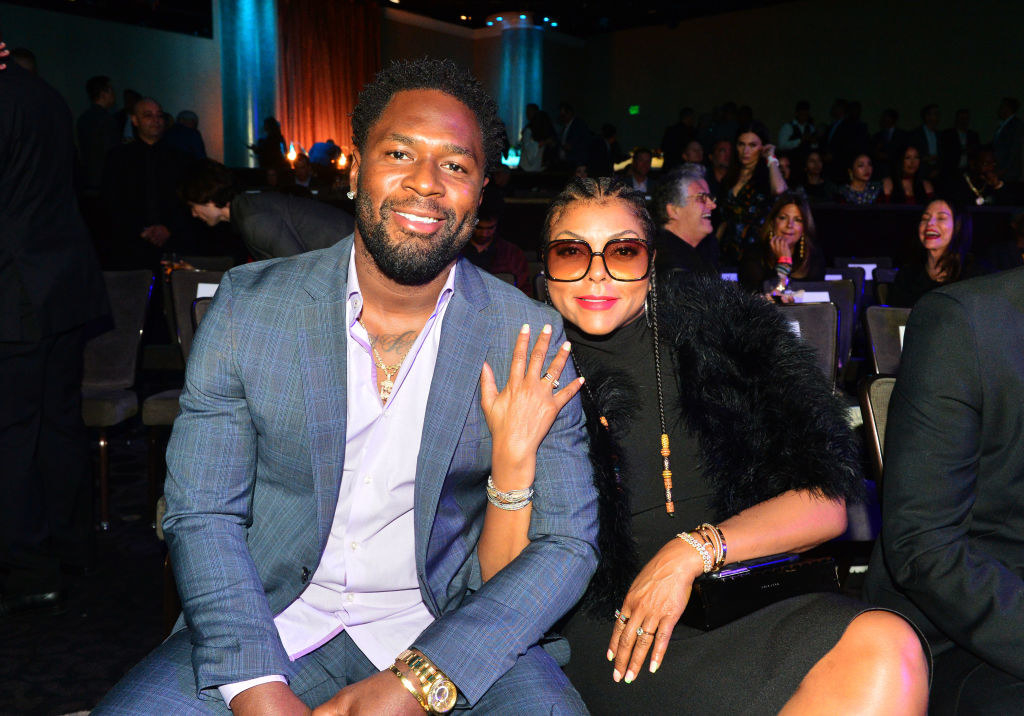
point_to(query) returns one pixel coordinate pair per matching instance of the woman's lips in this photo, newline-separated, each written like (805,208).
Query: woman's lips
(596,303)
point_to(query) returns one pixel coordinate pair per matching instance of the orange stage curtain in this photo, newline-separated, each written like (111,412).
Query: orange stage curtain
(328,49)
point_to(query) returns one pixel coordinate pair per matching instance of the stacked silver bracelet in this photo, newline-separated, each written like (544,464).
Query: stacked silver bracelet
(511,500)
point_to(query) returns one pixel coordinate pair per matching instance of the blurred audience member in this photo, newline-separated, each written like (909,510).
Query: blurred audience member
(951,551)
(677,137)
(488,251)
(637,175)
(683,207)
(785,166)
(887,143)
(926,139)
(798,134)
(956,145)
(1009,139)
(184,135)
(860,189)
(25,58)
(981,184)
(694,153)
(97,133)
(786,249)
(51,292)
(574,138)
(745,197)
(906,186)
(605,152)
(271,225)
(123,117)
(304,180)
(945,236)
(270,148)
(719,160)
(815,186)
(324,154)
(542,130)
(845,137)
(138,190)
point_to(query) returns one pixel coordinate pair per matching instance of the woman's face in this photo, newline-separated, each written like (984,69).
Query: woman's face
(936,227)
(789,223)
(597,304)
(748,149)
(911,162)
(785,167)
(861,169)
(813,165)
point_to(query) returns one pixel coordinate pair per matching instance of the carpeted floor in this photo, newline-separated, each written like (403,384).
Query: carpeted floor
(64,663)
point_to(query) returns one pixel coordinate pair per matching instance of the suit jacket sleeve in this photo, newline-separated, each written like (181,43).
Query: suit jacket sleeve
(931,485)
(264,227)
(211,468)
(478,642)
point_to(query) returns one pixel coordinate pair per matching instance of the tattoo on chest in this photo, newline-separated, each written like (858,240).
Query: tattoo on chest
(393,343)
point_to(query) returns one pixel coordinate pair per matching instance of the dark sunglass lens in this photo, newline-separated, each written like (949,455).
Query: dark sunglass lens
(627,260)
(568,260)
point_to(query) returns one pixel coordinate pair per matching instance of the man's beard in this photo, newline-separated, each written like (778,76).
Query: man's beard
(411,263)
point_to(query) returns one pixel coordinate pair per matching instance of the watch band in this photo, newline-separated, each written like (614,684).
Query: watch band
(409,687)
(439,692)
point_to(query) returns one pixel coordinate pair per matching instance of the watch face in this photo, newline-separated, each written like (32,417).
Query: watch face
(442,696)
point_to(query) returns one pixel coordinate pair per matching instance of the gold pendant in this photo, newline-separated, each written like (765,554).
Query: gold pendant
(386,386)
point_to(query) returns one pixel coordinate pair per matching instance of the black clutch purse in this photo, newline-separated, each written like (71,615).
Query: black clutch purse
(744,587)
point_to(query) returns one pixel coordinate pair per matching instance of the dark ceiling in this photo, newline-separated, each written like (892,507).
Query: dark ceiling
(582,17)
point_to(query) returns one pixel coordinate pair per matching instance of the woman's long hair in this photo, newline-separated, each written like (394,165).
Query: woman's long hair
(951,262)
(806,246)
(761,170)
(898,193)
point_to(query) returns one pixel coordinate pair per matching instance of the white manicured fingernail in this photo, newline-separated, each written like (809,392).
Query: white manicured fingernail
(525,328)
(610,655)
(629,677)
(654,666)
(616,676)
(547,328)
(566,346)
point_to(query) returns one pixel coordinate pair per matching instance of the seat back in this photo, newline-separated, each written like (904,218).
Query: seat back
(855,274)
(185,289)
(843,294)
(885,335)
(883,283)
(815,323)
(873,394)
(868,263)
(199,308)
(111,358)
(540,287)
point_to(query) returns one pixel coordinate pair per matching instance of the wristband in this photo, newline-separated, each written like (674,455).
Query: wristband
(773,161)
(701,549)
(784,260)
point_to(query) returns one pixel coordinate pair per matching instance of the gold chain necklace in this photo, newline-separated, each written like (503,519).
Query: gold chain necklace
(388,384)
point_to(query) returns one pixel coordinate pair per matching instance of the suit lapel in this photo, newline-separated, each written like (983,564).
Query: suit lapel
(464,343)
(322,336)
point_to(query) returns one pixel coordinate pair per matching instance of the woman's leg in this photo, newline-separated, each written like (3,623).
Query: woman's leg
(877,667)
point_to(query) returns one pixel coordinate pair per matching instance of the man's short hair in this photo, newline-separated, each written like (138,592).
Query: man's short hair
(187,116)
(431,74)
(926,109)
(674,188)
(207,181)
(95,86)
(642,150)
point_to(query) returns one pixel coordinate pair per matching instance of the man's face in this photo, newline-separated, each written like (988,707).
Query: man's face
(208,213)
(692,221)
(803,115)
(931,118)
(303,169)
(148,118)
(107,98)
(642,164)
(484,232)
(963,120)
(721,153)
(419,181)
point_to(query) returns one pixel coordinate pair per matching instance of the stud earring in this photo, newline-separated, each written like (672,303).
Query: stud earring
(350,194)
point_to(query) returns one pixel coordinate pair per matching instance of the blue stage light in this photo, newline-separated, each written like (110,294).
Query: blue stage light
(547,19)
(499,18)
(522,17)
(554,24)
(489,23)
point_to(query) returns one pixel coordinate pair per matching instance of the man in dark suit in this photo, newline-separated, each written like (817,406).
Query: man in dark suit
(926,139)
(327,476)
(574,137)
(1008,141)
(887,143)
(50,290)
(956,146)
(97,133)
(951,552)
(272,225)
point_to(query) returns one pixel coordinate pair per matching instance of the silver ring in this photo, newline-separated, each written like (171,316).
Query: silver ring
(640,631)
(622,618)
(551,379)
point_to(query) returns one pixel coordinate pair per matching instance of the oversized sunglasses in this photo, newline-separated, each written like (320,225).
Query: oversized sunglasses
(624,259)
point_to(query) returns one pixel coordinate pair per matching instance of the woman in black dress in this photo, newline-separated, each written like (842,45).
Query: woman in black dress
(945,236)
(701,404)
(906,185)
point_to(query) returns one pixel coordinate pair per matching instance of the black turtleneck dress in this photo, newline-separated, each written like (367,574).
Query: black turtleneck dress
(751,666)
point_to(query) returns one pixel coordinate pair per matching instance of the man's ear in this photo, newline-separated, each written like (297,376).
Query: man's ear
(353,170)
(135,121)
(672,211)
(480,200)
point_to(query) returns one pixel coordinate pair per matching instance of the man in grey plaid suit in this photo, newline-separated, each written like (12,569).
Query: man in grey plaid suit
(326,476)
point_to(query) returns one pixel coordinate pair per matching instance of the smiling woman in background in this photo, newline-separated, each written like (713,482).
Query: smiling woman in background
(701,405)
(786,250)
(945,235)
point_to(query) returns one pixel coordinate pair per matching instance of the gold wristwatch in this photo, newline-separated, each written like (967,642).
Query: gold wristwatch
(438,690)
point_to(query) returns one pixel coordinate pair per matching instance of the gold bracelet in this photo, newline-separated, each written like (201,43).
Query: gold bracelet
(408,685)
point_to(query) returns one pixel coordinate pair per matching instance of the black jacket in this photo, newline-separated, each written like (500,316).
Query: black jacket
(275,225)
(764,415)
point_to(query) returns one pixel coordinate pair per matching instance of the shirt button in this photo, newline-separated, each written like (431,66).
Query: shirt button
(355,545)
(368,479)
(305,574)
(349,598)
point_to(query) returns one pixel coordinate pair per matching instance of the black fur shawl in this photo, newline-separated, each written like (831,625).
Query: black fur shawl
(765,417)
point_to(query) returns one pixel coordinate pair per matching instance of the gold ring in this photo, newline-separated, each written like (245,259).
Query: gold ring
(551,379)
